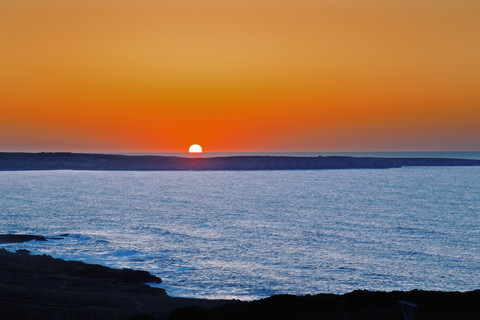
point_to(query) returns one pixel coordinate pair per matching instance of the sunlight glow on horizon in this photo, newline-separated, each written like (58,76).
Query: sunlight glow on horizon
(239,76)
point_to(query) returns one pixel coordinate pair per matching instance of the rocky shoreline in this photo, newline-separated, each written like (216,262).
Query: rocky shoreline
(42,287)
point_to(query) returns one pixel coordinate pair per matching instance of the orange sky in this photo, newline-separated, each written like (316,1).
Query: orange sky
(239,75)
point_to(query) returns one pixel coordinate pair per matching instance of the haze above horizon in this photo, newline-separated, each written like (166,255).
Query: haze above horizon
(239,76)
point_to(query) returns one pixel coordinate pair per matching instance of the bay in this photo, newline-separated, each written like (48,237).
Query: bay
(252,234)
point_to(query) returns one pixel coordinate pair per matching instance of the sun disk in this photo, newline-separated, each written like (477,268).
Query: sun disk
(195,148)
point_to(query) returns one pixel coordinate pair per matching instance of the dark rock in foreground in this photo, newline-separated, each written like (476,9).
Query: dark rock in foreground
(81,161)
(41,287)
(19,238)
(357,305)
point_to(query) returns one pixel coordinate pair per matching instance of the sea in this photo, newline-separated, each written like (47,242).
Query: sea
(252,234)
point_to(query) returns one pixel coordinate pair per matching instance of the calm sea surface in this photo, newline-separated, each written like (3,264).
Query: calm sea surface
(252,234)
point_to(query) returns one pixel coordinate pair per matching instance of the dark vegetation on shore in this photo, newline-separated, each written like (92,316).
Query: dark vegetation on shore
(82,161)
(41,287)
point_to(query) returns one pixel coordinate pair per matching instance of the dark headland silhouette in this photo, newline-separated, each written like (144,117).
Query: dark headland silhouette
(10,161)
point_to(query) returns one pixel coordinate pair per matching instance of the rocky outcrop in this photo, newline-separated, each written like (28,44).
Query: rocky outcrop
(42,287)
(355,305)
(19,238)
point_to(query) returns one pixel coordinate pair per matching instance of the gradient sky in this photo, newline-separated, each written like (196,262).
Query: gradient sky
(239,75)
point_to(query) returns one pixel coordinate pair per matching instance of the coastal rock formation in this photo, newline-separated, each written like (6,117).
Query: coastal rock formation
(41,287)
(356,305)
(19,238)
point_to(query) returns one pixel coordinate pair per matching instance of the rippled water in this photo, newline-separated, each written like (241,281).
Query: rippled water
(251,234)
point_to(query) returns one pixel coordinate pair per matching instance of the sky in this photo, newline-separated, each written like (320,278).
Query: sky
(239,75)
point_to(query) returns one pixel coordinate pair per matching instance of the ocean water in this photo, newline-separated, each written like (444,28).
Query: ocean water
(252,234)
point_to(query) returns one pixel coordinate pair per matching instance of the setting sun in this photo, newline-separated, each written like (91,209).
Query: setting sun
(195,148)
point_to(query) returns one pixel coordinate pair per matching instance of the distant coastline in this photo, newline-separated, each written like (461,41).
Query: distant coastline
(309,154)
(10,161)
